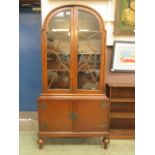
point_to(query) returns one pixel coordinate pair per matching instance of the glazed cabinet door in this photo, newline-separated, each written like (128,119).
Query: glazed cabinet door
(89,52)
(91,115)
(58,51)
(54,115)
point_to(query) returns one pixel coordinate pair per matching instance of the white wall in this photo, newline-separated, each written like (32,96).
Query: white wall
(106,8)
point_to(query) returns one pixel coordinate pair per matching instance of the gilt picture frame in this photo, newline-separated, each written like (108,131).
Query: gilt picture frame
(123,57)
(124,23)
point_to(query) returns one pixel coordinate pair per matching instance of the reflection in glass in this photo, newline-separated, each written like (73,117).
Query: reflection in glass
(87,21)
(58,51)
(88,80)
(89,48)
(58,79)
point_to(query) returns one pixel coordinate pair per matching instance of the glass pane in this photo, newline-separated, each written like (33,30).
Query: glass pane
(87,21)
(89,48)
(88,80)
(58,51)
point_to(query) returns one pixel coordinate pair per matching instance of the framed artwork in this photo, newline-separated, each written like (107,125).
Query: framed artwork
(124,17)
(123,57)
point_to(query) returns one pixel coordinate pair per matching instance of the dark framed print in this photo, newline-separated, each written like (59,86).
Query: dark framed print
(124,17)
(123,57)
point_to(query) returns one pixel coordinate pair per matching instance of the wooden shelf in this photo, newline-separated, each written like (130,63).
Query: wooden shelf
(92,70)
(89,53)
(57,70)
(60,53)
(122,134)
(121,85)
(122,115)
(122,100)
(68,30)
(60,70)
(79,53)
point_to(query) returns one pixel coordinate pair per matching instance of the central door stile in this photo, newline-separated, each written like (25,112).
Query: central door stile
(75,47)
(72,49)
(74,112)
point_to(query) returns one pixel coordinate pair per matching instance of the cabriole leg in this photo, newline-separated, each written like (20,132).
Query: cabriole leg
(41,142)
(105,142)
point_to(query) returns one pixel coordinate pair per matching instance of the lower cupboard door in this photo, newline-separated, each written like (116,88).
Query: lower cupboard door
(54,115)
(91,116)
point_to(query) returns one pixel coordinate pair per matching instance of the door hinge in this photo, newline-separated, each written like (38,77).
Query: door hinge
(43,106)
(104,104)
(103,126)
(43,126)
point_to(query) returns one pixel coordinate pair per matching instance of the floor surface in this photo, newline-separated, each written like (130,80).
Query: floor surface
(69,146)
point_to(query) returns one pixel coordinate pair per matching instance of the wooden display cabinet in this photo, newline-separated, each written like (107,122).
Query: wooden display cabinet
(122,113)
(72,102)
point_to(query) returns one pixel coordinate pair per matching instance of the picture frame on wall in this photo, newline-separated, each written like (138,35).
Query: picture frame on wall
(124,23)
(123,57)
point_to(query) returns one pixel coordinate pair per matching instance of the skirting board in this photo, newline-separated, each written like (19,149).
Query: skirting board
(28,115)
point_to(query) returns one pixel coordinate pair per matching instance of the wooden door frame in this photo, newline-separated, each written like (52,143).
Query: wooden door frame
(44,51)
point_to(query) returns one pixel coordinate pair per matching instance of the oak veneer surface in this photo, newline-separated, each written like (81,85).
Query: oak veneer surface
(54,115)
(91,116)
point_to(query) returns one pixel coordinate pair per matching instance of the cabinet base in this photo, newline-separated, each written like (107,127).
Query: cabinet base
(43,135)
(63,116)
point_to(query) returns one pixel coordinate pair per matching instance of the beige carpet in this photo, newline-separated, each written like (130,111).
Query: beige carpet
(69,146)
